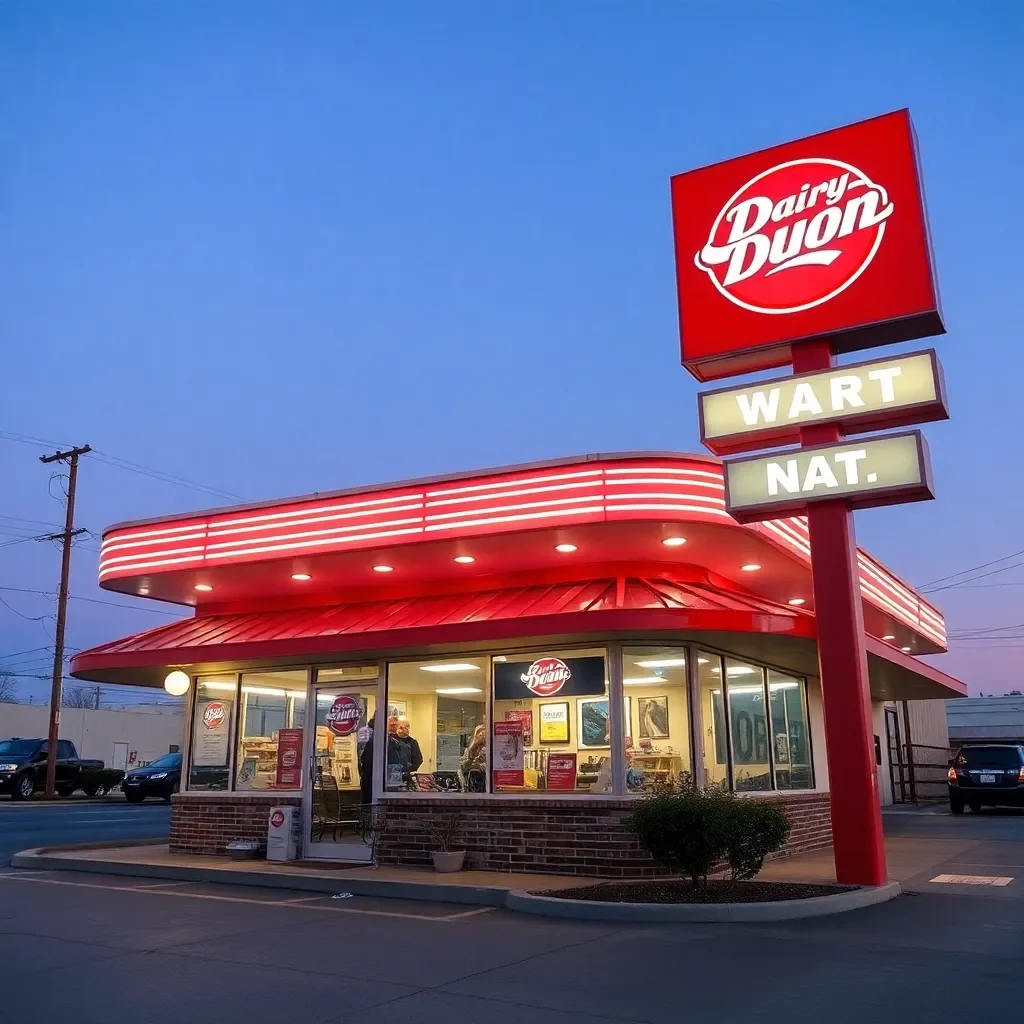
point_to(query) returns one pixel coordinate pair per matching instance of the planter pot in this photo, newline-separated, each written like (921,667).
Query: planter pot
(449,861)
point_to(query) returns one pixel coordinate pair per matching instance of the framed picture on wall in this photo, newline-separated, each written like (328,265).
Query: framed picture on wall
(397,708)
(653,714)
(554,722)
(594,728)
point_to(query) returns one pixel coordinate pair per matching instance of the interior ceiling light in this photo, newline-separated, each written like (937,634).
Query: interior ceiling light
(143,591)
(266,691)
(889,637)
(450,666)
(465,559)
(750,567)
(204,587)
(661,663)
(500,657)
(383,568)
(566,549)
(642,680)
(301,576)
(703,661)
(736,670)
(905,650)
(453,691)
(796,600)
(674,542)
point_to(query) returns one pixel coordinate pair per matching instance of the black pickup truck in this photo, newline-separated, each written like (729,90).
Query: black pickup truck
(23,768)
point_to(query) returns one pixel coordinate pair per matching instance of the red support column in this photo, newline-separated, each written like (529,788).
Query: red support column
(858,843)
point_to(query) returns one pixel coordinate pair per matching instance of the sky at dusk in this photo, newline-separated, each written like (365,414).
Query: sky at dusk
(276,248)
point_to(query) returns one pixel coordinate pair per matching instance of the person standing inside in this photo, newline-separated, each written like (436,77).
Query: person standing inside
(415,754)
(474,761)
(366,764)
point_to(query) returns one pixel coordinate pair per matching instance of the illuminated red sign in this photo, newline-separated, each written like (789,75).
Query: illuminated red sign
(822,237)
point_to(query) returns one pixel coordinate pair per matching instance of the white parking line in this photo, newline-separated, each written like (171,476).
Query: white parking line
(972,879)
(286,904)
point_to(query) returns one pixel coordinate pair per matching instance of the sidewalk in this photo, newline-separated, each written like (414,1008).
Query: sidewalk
(154,860)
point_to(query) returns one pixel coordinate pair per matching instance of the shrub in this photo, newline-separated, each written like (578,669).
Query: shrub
(691,831)
(756,828)
(687,832)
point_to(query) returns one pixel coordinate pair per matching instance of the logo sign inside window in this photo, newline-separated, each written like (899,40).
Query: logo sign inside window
(344,715)
(546,676)
(214,715)
(796,235)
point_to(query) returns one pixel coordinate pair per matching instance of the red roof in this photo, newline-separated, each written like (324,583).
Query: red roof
(559,608)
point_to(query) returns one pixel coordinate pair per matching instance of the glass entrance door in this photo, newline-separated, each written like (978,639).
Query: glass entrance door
(340,764)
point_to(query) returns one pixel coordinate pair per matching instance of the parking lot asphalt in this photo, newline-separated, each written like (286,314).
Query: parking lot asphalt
(100,948)
(28,825)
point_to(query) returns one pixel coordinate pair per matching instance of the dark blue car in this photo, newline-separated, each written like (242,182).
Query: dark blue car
(162,778)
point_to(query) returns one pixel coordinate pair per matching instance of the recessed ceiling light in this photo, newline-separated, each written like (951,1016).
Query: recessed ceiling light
(143,591)
(566,549)
(203,587)
(905,650)
(796,600)
(301,576)
(674,542)
(383,568)
(450,666)
(661,663)
(750,567)
(642,680)
(889,636)
(465,559)
(452,691)
(703,661)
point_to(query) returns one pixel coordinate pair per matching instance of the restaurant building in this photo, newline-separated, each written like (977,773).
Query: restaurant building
(557,639)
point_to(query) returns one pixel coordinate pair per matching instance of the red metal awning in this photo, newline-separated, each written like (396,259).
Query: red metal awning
(313,634)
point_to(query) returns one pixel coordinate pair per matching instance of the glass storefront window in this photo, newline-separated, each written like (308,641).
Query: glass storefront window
(657,733)
(748,726)
(270,734)
(714,727)
(550,723)
(213,724)
(436,726)
(791,747)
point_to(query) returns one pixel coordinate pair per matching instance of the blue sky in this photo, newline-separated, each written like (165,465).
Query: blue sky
(277,248)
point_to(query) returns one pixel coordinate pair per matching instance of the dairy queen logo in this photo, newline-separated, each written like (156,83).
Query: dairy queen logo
(546,676)
(344,715)
(796,236)
(214,715)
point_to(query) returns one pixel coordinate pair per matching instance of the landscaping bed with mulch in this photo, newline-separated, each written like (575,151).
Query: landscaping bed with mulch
(679,891)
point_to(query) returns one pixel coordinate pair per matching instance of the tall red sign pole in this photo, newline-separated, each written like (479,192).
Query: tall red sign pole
(858,842)
(798,253)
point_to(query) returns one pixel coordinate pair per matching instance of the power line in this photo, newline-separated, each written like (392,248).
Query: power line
(965,572)
(125,464)
(27,618)
(93,600)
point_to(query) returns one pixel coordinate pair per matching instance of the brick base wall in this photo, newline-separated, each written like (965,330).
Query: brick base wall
(576,837)
(206,824)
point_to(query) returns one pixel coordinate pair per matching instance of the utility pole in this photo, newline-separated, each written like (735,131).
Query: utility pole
(69,533)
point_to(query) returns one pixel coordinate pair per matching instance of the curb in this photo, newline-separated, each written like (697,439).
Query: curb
(41,859)
(783,910)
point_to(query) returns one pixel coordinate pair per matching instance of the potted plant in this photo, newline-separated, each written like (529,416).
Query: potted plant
(446,831)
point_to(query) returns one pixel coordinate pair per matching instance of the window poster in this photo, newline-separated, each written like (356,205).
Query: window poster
(289,758)
(526,717)
(212,732)
(507,762)
(561,771)
(554,723)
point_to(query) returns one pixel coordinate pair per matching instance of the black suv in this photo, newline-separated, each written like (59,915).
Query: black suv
(986,775)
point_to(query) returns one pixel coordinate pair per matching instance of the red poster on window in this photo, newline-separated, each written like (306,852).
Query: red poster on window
(561,771)
(526,717)
(289,759)
(508,754)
